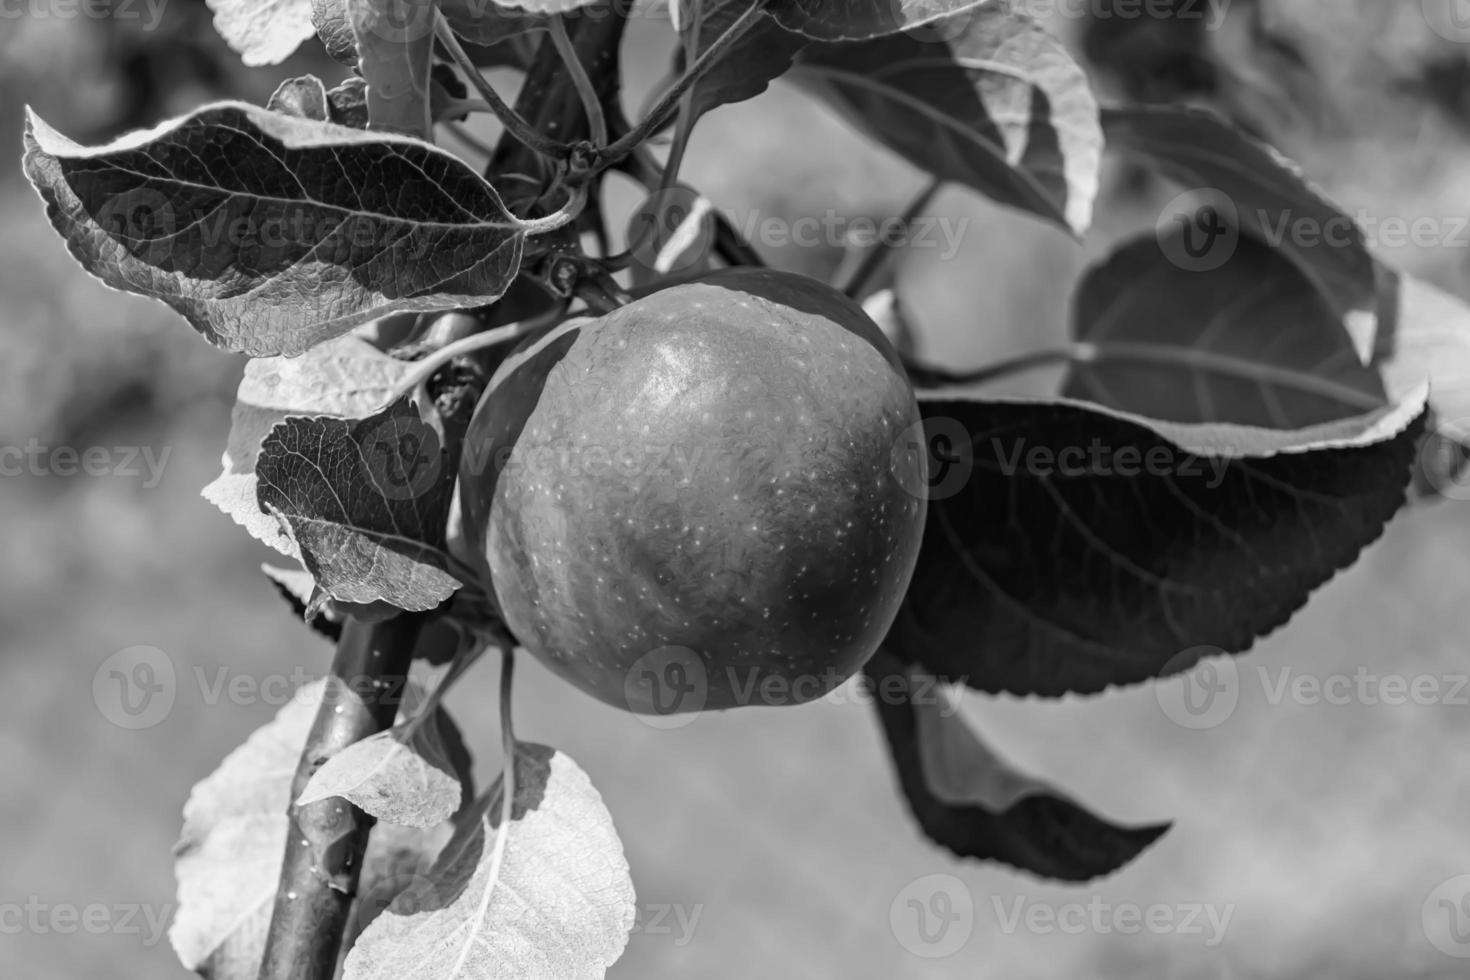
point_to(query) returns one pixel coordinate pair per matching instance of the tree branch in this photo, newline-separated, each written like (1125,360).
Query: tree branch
(326,840)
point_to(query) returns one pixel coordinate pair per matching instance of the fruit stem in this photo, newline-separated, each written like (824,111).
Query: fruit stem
(591,101)
(561,217)
(514,122)
(426,368)
(326,840)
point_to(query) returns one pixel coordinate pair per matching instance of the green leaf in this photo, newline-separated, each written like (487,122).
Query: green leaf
(263,32)
(366,502)
(1250,342)
(555,901)
(402,776)
(859,20)
(998,106)
(272,234)
(969,800)
(1263,193)
(347,378)
(228,859)
(304,97)
(1069,549)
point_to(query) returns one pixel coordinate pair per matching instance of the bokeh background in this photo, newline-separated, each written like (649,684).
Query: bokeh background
(767,842)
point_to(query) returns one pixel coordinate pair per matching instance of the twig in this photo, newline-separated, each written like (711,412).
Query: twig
(514,122)
(326,839)
(685,127)
(879,254)
(668,103)
(591,101)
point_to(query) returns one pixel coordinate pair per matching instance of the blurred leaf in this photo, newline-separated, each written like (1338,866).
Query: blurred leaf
(228,859)
(967,799)
(329,19)
(997,105)
(857,20)
(1069,549)
(554,901)
(272,234)
(263,32)
(1250,342)
(304,97)
(402,775)
(366,501)
(1424,332)
(1267,194)
(347,377)
(395,47)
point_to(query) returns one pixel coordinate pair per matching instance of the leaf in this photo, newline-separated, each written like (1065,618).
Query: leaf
(347,377)
(967,799)
(1000,106)
(763,54)
(366,501)
(559,906)
(304,97)
(1069,549)
(1250,342)
(671,233)
(1261,191)
(395,48)
(228,859)
(857,20)
(348,103)
(402,775)
(272,234)
(263,32)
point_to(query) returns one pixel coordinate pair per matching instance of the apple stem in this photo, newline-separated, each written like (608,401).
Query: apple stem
(326,840)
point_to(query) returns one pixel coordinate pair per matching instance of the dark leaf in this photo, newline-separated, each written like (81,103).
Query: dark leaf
(272,234)
(347,103)
(967,799)
(1069,549)
(297,587)
(998,105)
(858,20)
(1248,184)
(765,53)
(1249,342)
(366,501)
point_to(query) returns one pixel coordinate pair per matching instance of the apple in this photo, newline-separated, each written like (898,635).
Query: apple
(698,500)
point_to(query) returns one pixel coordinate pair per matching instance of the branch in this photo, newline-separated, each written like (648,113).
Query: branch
(326,840)
(879,255)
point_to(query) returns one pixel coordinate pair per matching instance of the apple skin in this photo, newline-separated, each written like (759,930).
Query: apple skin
(707,492)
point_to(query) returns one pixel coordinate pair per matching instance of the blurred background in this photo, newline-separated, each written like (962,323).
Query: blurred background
(1326,837)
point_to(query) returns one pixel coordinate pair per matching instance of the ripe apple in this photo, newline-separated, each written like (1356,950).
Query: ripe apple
(696,501)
